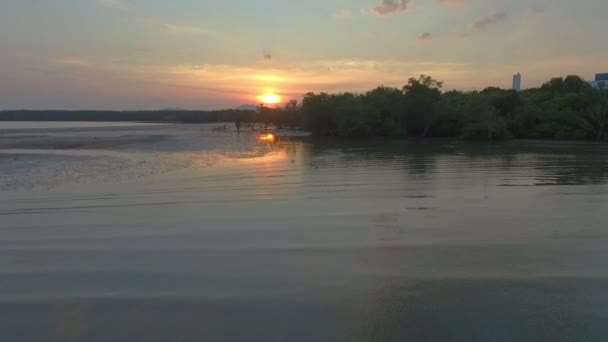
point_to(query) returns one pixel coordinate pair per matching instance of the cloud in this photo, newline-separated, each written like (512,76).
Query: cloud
(451,3)
(489,20)
(239,83)
(154,22)
(98,84)
(425,36)
(343,14)
(388,7)
(203,85)
(72,61)
(248,81)
(170,28)
(485,22)
(537,9)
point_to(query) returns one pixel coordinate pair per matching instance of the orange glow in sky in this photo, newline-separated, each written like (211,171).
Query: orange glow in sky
(197,58)
(270,98)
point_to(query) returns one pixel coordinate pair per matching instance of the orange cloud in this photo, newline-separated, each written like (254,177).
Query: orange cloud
(241,84)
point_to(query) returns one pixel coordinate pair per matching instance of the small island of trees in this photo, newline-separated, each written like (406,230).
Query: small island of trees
(563,108)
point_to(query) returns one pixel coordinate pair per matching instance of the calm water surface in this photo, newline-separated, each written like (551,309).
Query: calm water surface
(6,125)
(183,233)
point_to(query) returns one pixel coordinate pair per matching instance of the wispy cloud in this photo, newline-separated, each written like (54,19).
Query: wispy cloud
(248,81)
(489,20)
(425,37)
(72,61)
(485,22)
(451,3)
(536,9)
(185,29)
(388,7)
(155,23)
(93,84)
(355,75)
(343,14)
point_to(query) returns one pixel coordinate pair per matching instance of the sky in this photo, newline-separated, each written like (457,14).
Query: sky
(204,54)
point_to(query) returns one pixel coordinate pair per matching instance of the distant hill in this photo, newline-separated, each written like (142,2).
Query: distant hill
(172,110)
(248,107)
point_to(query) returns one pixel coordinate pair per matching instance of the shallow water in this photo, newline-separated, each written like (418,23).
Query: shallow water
(185,233)
(11,125)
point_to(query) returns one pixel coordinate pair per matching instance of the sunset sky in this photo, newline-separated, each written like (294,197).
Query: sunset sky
(202,54)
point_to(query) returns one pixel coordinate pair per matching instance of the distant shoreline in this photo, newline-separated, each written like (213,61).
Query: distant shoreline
(158,116)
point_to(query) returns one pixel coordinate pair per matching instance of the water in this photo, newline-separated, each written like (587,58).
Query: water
(189,233)
(44,125)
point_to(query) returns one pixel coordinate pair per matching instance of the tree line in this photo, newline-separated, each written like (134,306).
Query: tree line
(562,108)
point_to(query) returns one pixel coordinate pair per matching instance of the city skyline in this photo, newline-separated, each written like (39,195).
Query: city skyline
(125,55)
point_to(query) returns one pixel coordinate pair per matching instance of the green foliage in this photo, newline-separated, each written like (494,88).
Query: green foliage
(345,115)
(482,120)
(595,117)
(563,108)
(389,105)
(421,104)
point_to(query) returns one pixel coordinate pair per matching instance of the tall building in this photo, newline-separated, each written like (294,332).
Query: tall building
(601,77)
(601,81)
(517,82)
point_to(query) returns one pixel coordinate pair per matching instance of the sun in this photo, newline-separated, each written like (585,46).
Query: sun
(270,98)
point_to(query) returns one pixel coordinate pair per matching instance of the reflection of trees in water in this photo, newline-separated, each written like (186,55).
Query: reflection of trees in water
(420,167)
(560,164)
(416,159)
(552,163)
(573,170)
